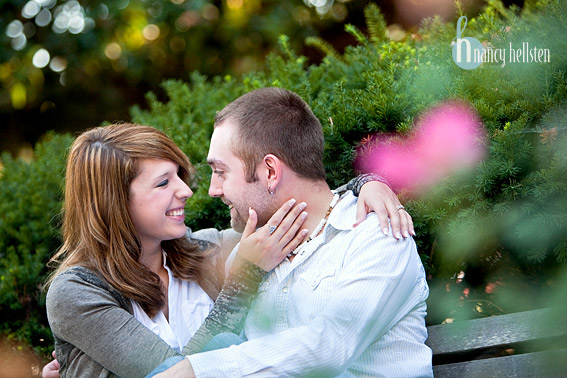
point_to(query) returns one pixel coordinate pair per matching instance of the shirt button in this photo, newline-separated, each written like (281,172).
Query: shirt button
(284,290)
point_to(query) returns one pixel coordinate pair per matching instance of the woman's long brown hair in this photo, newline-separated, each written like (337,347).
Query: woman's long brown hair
(98,232)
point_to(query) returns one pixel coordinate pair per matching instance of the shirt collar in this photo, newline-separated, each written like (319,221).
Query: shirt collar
(164,263)
(343,215)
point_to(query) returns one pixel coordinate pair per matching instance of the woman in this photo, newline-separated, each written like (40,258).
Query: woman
(133,285)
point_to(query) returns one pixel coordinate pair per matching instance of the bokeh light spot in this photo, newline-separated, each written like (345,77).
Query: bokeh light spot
(63,79)
(19,42)
(122,4)
(103,11)
(14,29)
(151,32)
(18,96)
(321,6)
(41,58)
(43,18)
(210,12)
(31,9)
(58,64)
(46,4)
(302,15)
(317,3)
(113,51)
(89,24)
(71,17)
(395,32)
(235,4)
(187,20)
(339,12)
(76,24)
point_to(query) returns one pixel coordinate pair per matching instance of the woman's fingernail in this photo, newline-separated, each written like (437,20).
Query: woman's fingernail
(398,235)
(385,230)
(304,215)
(250,211)
(291,202)
(302,205)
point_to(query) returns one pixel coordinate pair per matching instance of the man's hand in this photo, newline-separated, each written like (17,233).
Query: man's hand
(378,197)
(182,369)
(51,370)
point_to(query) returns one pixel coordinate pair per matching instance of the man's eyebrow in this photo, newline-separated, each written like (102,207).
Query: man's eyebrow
(216,162)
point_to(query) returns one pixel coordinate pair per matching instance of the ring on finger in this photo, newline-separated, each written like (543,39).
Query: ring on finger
(272,229)
(400,207)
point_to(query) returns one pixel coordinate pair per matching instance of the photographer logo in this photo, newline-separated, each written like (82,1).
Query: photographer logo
(467,52)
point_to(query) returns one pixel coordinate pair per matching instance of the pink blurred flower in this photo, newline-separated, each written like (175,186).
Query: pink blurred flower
(447,138)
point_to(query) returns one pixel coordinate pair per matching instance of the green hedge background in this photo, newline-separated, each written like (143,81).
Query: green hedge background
(493,239)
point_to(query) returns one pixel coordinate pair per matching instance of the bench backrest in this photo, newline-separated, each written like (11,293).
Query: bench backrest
(524,344)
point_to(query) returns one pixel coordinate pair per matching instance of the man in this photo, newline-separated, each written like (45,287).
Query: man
(349,301)
(385,204)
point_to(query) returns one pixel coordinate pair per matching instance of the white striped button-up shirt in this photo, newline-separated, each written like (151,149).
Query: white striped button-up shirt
(350,304)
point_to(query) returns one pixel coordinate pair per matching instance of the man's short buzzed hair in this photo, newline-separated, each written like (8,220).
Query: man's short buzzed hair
(276,121)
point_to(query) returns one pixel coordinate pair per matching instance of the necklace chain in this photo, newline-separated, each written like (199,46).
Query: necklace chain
(319,227)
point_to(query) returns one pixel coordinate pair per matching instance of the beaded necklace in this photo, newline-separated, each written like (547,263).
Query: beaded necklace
(319,227)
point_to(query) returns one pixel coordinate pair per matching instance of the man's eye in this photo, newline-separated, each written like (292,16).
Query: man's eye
(220,173)
(163,183)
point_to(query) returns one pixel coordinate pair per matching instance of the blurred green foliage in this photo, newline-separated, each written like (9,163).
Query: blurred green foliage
(67,65)
(492,239)
(31,195)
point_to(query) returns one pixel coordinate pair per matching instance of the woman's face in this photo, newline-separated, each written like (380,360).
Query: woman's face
(157,202)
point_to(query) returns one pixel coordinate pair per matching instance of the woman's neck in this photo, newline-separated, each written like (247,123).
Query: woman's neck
(152,258)
(154,262)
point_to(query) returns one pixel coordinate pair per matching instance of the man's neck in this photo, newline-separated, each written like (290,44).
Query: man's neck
(317,196)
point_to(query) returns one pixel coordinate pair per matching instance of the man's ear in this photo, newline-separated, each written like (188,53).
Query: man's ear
(273,171)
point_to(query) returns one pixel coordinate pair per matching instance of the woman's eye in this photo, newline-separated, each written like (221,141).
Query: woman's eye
(220,173)
(163,183)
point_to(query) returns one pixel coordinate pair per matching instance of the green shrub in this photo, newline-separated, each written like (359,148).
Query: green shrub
(31,195)
(501,224)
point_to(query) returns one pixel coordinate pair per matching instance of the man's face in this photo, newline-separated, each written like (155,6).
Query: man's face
(228,181)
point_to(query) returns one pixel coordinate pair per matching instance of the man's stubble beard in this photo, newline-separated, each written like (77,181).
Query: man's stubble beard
(265,206)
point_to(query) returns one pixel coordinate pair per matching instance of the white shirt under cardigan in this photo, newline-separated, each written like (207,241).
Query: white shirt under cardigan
(188,304)
(351,304)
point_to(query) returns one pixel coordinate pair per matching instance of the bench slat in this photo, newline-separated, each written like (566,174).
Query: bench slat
(498,330)
(549,364)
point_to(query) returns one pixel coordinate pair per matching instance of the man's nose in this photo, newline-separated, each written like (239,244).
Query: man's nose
(215,189)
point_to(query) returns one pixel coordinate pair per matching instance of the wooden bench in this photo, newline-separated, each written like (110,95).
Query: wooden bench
(525,344)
